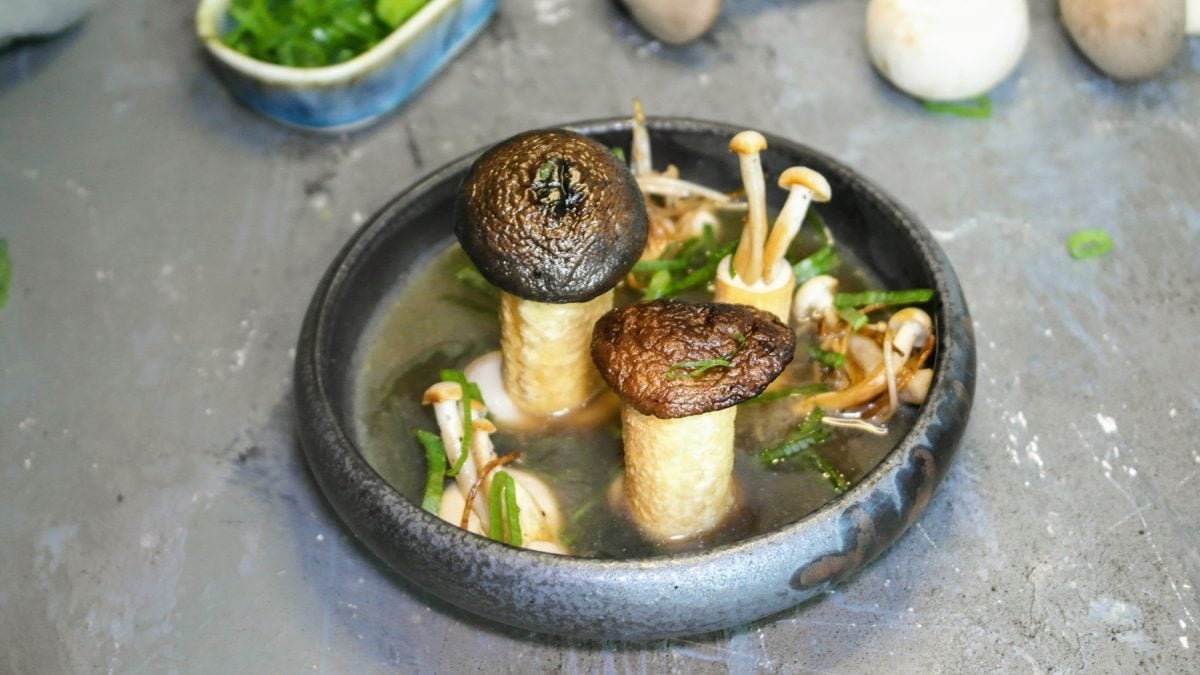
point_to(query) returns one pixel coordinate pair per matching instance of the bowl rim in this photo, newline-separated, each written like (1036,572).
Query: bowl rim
(319,424)
(209,14)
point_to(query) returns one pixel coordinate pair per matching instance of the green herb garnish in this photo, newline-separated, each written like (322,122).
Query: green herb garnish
(470,392)
(913,296)
(619,153)
(435,469)
(694,369)
(826,358)
(5,272)
(504,516)
(975,108)
(788,392)
(682,267)
(313,33)
(852,316)
(809,434)
(822,261)
(1086,244)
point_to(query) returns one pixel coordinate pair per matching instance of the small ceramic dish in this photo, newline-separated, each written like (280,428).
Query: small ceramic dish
(638,598)
(355,92)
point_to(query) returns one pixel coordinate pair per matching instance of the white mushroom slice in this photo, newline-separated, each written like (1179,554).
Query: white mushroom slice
(772,294)
(804,186)
(946,49)
(450,510)
(918,387)
(748,259)
(865,353)
(814,300)
(547,369)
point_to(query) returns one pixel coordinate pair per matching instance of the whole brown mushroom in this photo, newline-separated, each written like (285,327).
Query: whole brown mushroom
(1127,39)
(680,369)
(554,220)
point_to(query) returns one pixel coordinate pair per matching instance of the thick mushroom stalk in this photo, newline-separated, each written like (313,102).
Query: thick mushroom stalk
(680,370)
(773,290)
(540,516)
(554,220)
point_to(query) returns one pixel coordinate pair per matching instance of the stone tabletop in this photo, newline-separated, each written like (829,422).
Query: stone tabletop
(156,514)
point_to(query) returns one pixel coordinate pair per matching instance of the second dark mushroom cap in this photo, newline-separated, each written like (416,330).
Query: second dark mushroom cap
(551,216)
(639,349)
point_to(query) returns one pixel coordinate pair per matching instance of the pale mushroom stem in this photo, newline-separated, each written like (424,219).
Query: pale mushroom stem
(640,148)
(787,226)
(679,472)
(748,259)
(546,367)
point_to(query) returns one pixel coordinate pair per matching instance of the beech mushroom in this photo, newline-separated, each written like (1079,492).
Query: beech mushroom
(675,21)
(1127,39)
(538,510)
(814,300)
(772,291)
(680,369)
(554,220)
(945,50)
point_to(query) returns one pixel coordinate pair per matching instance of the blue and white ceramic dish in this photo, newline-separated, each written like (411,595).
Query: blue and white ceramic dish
(355,92)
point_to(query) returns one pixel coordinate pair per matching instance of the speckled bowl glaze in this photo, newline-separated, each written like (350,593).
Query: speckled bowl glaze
(355,92)
(644,598)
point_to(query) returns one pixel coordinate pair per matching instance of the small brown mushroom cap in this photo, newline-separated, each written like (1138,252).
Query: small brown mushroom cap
(638,350)
(551,216)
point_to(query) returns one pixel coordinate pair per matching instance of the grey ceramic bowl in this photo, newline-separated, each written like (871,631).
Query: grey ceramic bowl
(643,598)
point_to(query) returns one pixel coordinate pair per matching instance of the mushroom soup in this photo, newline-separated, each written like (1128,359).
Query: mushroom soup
(443,318)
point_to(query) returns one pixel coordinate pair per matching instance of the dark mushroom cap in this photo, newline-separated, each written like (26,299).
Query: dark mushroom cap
(639,349)
(551,216)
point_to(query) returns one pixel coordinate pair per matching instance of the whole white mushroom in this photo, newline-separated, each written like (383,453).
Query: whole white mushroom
(1127,39)
(946,50)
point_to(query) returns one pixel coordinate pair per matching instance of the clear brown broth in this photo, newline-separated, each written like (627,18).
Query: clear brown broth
(436,323)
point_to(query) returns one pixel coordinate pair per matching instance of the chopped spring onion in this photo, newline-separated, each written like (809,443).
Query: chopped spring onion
(435,469)
(1082,245)
(504,516)
(788,392)
(822,261)
(809,434)
(815,460)
(470,392)
(694,369)
(619,153)
(975,108)
(5,272)
(826,358)
(682,267)
(852,316)
(913,296)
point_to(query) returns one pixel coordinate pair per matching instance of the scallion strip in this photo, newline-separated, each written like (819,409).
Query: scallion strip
(913,296)
(852,316)
(1086,244)
(504,516)
(975,108)
(435,469)
(470,392)
(810,433)
(656,265)
(822,261)
(788,392)
(826,358)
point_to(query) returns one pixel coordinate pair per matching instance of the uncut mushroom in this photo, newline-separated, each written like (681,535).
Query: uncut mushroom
(774,281)
(1127,39)
(945,50)
(554,220)
(680,369)
(675,22)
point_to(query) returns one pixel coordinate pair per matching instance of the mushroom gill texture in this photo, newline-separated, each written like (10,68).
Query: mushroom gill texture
(551,216)
(639,349)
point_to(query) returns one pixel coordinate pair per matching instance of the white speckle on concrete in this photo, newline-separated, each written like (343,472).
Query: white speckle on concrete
(551,12)
(1115,612)
(1172,413)
(321,537)
(149,540)
(1108,424)
(1183,641)
(1048,333)
(357,218)
(28,463)
(26,424)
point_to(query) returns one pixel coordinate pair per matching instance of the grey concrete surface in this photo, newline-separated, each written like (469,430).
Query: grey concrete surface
(156,516)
